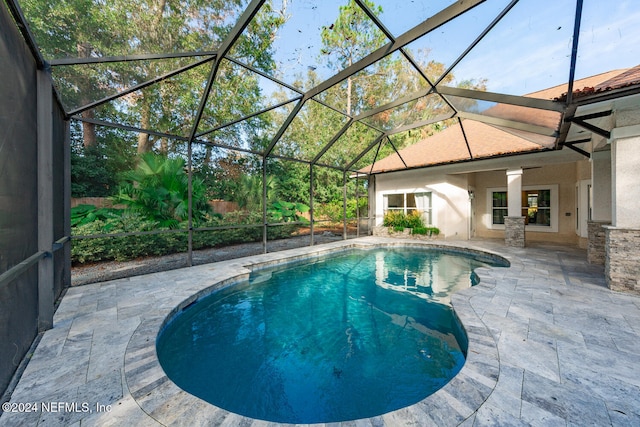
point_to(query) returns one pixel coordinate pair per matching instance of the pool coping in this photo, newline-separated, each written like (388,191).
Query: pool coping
(459,399)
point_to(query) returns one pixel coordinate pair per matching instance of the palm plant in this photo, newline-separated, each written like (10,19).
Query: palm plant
(157,189)
(249,193)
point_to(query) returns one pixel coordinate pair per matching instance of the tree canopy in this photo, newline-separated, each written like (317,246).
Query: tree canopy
(323,132)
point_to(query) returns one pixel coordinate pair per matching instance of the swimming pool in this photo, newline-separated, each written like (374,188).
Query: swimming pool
(339,338)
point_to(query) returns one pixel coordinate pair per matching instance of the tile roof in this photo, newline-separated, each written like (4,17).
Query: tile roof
(614,80)
(449,145)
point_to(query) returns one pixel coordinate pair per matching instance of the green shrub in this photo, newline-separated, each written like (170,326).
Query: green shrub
(282,211)
(419,230)
(413,220)
(92,172)
(84,214)
(426,231)
(130,247)
(123,247)
(333,211)
(395,219)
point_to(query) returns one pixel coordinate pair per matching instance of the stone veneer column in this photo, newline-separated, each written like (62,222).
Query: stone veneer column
(514,231)
(622,265)
(600,206)
(514,222)
(596,251)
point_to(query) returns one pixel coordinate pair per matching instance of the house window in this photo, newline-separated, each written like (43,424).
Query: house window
(539,207)
(408,203)
(499,209)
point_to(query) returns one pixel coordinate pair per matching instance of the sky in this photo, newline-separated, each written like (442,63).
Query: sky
(528,50)
(609,39)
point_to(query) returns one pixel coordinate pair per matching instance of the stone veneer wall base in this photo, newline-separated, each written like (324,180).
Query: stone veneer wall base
(622,264)
(514,231)
(381,231)
(596,251)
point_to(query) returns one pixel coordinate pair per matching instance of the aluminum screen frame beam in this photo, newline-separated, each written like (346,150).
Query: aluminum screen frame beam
(540,130)
(127,58)
(23,27)
(375,157)
(285,125)
(281,83)
(397,152)
(501,98)
(139,86)
(365,151)
(44,187)
(263,74)
(20,268)
(574,50)
(420,124)
(127,128)
(591,128)
(570,109)
(597,115)
(580,121)
(393,104)
(466,140)
(578,150)
(249,116)
(333,141)
(287,85)
(391,37)
(398,130)
(135,129)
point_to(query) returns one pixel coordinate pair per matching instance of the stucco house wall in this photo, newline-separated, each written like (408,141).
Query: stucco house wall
(601,177)
(449,198)
(460,216)
(562,177)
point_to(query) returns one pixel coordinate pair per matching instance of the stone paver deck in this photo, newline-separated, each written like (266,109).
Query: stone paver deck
(548,345)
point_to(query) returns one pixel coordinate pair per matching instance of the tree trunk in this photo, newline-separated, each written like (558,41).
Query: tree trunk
(164,146)
(349,88)
(89,139)
(207,156)
(144,142)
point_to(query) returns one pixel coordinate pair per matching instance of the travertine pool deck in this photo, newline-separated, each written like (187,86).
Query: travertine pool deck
(549,345)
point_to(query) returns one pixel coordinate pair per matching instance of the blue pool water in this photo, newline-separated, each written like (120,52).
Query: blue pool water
(335,339)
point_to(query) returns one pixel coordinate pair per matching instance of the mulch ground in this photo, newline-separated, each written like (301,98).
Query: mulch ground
(83,274)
